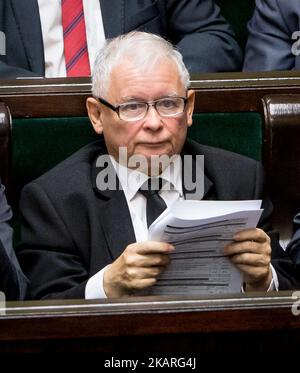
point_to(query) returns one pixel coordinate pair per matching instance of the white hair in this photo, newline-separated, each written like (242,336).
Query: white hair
(144,50)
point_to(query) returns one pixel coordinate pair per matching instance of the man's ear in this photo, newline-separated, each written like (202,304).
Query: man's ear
(94,113)
(190,106)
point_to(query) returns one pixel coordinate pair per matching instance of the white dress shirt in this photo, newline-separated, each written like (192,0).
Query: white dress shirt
(131,181)
(52,30)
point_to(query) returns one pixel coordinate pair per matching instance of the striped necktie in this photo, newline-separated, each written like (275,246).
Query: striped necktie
(75,44)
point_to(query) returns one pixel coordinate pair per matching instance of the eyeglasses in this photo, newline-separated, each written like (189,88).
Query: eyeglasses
(136,110)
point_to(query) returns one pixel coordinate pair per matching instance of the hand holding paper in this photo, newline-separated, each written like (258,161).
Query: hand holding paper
(136,268)
(251,253)
(200,230)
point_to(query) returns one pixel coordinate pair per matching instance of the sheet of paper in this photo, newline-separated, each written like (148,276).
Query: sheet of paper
(199,230)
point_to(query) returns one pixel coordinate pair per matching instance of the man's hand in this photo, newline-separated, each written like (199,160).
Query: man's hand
(251,253)
(136,268)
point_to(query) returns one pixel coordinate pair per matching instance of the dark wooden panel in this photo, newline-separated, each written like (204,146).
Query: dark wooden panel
(29,98)
(282,156)
(135,324)
(5,123)
(66,97)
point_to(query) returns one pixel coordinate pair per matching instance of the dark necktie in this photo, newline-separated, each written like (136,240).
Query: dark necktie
(155,204)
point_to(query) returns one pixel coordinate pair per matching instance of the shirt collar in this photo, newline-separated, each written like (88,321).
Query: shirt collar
(132,180)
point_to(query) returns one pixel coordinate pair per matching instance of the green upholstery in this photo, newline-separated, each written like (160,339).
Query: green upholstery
(238,132)
(237,13)
(39,144)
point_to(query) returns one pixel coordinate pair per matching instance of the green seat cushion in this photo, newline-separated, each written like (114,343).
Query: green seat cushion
(238,132)
(40,143)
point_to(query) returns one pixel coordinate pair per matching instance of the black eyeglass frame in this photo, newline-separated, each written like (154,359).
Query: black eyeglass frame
(149,103)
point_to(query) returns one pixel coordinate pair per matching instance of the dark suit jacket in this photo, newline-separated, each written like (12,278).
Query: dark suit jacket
(196,27)
(293,248)
(12,280)
(9,284)
(270,42)
(71,229)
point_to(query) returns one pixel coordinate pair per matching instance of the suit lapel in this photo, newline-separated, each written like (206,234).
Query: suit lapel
(192,169)
(113,17)
(29,25)
(117,224)
(115,217)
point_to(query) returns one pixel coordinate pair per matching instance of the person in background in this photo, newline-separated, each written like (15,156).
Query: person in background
(274,35)
(84,239)
(61,38)
(293,249)
(13,283)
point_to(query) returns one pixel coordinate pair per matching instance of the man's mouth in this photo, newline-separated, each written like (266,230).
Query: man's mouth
(153,144)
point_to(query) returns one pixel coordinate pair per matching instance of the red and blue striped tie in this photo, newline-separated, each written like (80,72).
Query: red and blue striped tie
(75,45)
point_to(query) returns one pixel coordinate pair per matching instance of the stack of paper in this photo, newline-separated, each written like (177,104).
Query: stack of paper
(199,230)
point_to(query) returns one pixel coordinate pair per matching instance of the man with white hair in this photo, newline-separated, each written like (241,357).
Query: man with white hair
(85,238)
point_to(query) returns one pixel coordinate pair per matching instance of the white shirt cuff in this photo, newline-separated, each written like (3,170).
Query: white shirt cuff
(94,288)
(274,285)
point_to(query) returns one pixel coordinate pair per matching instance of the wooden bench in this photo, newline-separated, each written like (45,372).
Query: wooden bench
(155,326)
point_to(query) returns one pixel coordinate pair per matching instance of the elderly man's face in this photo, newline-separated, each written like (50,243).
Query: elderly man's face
(154,134)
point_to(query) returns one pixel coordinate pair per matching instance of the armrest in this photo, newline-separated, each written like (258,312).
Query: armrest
(5,136)
(282,157)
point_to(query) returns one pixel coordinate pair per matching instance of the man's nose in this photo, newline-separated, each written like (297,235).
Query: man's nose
(152,119)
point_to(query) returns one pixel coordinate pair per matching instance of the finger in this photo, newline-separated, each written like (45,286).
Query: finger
(256,275)
(252,271)
(247,247)
(249,259)
(152,247)
(254,234)
(136,273)
(140,284)
(152,260)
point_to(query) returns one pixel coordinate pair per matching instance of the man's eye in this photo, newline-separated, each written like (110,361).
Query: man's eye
(135,106)
(167,104)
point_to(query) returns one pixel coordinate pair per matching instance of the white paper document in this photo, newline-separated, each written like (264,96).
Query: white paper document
(199,230)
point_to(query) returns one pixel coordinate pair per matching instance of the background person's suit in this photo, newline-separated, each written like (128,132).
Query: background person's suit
(270,43)
(12,280)
(71,230)
(293,248)
(196,27)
